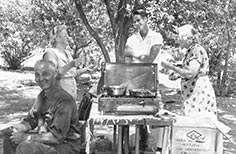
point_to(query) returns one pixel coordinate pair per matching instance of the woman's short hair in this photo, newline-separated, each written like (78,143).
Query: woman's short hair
(54,33)
(188,31)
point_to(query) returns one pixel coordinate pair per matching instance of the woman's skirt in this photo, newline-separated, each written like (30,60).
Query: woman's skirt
(198,96)
(69,85)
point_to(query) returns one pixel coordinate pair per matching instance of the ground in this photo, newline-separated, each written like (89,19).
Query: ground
(18,91)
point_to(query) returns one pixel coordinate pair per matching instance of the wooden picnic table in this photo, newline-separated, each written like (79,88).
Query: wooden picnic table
(124,122)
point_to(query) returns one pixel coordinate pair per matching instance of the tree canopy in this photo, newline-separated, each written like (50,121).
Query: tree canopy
(99,28)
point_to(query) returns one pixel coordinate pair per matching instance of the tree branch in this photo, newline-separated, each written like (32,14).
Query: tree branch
(110,13)
(120,12)
(91,30)
(83,46)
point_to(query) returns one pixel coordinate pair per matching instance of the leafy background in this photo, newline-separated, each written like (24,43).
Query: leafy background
(99,28)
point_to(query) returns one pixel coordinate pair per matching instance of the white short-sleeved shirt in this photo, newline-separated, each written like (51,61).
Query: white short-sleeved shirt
(140,46)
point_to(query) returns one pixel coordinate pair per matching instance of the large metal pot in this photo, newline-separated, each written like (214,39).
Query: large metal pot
(115,90)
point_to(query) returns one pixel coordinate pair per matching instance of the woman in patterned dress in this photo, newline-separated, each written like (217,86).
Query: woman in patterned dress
(198,95)
(60,55)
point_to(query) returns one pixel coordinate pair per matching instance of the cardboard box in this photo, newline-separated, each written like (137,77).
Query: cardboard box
(195,136)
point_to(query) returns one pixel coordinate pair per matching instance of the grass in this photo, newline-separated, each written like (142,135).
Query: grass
(18,91)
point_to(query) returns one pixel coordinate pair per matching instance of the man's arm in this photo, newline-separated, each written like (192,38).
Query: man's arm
(17,132)
(128,58)
(47,137)
(155,49)
(22,127)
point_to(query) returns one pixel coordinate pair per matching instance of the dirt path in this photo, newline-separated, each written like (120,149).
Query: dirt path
(18,91)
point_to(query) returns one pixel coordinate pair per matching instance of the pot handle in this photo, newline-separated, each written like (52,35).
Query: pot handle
(104,90)
(142,102)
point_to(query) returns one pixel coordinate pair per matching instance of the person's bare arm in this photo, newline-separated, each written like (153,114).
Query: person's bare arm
(88,69)
(46,137)
(21,127)
(128,58)
(155,49)
(62,71)
(18,132)
(186,72)
(66,67)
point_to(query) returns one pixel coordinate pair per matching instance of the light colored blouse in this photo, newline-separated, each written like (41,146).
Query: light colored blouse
(62,60)
(66,81)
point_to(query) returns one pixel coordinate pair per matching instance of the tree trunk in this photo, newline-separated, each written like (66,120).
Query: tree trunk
(225,72)
(91,30)
(121,37)
(124,22)
(120,25)
(219,74)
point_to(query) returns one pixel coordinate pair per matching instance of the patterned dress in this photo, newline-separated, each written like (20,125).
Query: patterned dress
(198,95)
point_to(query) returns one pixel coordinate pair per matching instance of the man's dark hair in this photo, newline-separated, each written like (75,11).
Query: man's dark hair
(140,11)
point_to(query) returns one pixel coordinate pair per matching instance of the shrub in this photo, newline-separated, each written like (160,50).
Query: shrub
(14,51)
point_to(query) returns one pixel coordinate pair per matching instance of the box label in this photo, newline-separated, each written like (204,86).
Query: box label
(190,140)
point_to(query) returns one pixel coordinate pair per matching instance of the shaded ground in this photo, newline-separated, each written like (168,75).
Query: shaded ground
(227,115)
(18,91)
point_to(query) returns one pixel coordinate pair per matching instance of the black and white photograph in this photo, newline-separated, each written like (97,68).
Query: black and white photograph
(117,77)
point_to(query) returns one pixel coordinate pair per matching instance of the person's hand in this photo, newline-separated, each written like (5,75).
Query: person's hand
(138,59)
(128,59)
(173,76)
(128,51)
(164,71)
(142,58)
(42,129)
(167,65)
(7,131)
(18,137)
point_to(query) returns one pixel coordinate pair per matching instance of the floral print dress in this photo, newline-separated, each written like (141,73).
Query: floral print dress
(198,95)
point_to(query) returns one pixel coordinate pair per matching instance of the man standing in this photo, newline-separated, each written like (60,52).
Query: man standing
(143,47)
(51,126)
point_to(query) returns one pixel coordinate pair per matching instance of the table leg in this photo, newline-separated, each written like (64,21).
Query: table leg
(120,139)
(89,131)
(166,132)
(126,139)
(137,138)
(114,139)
